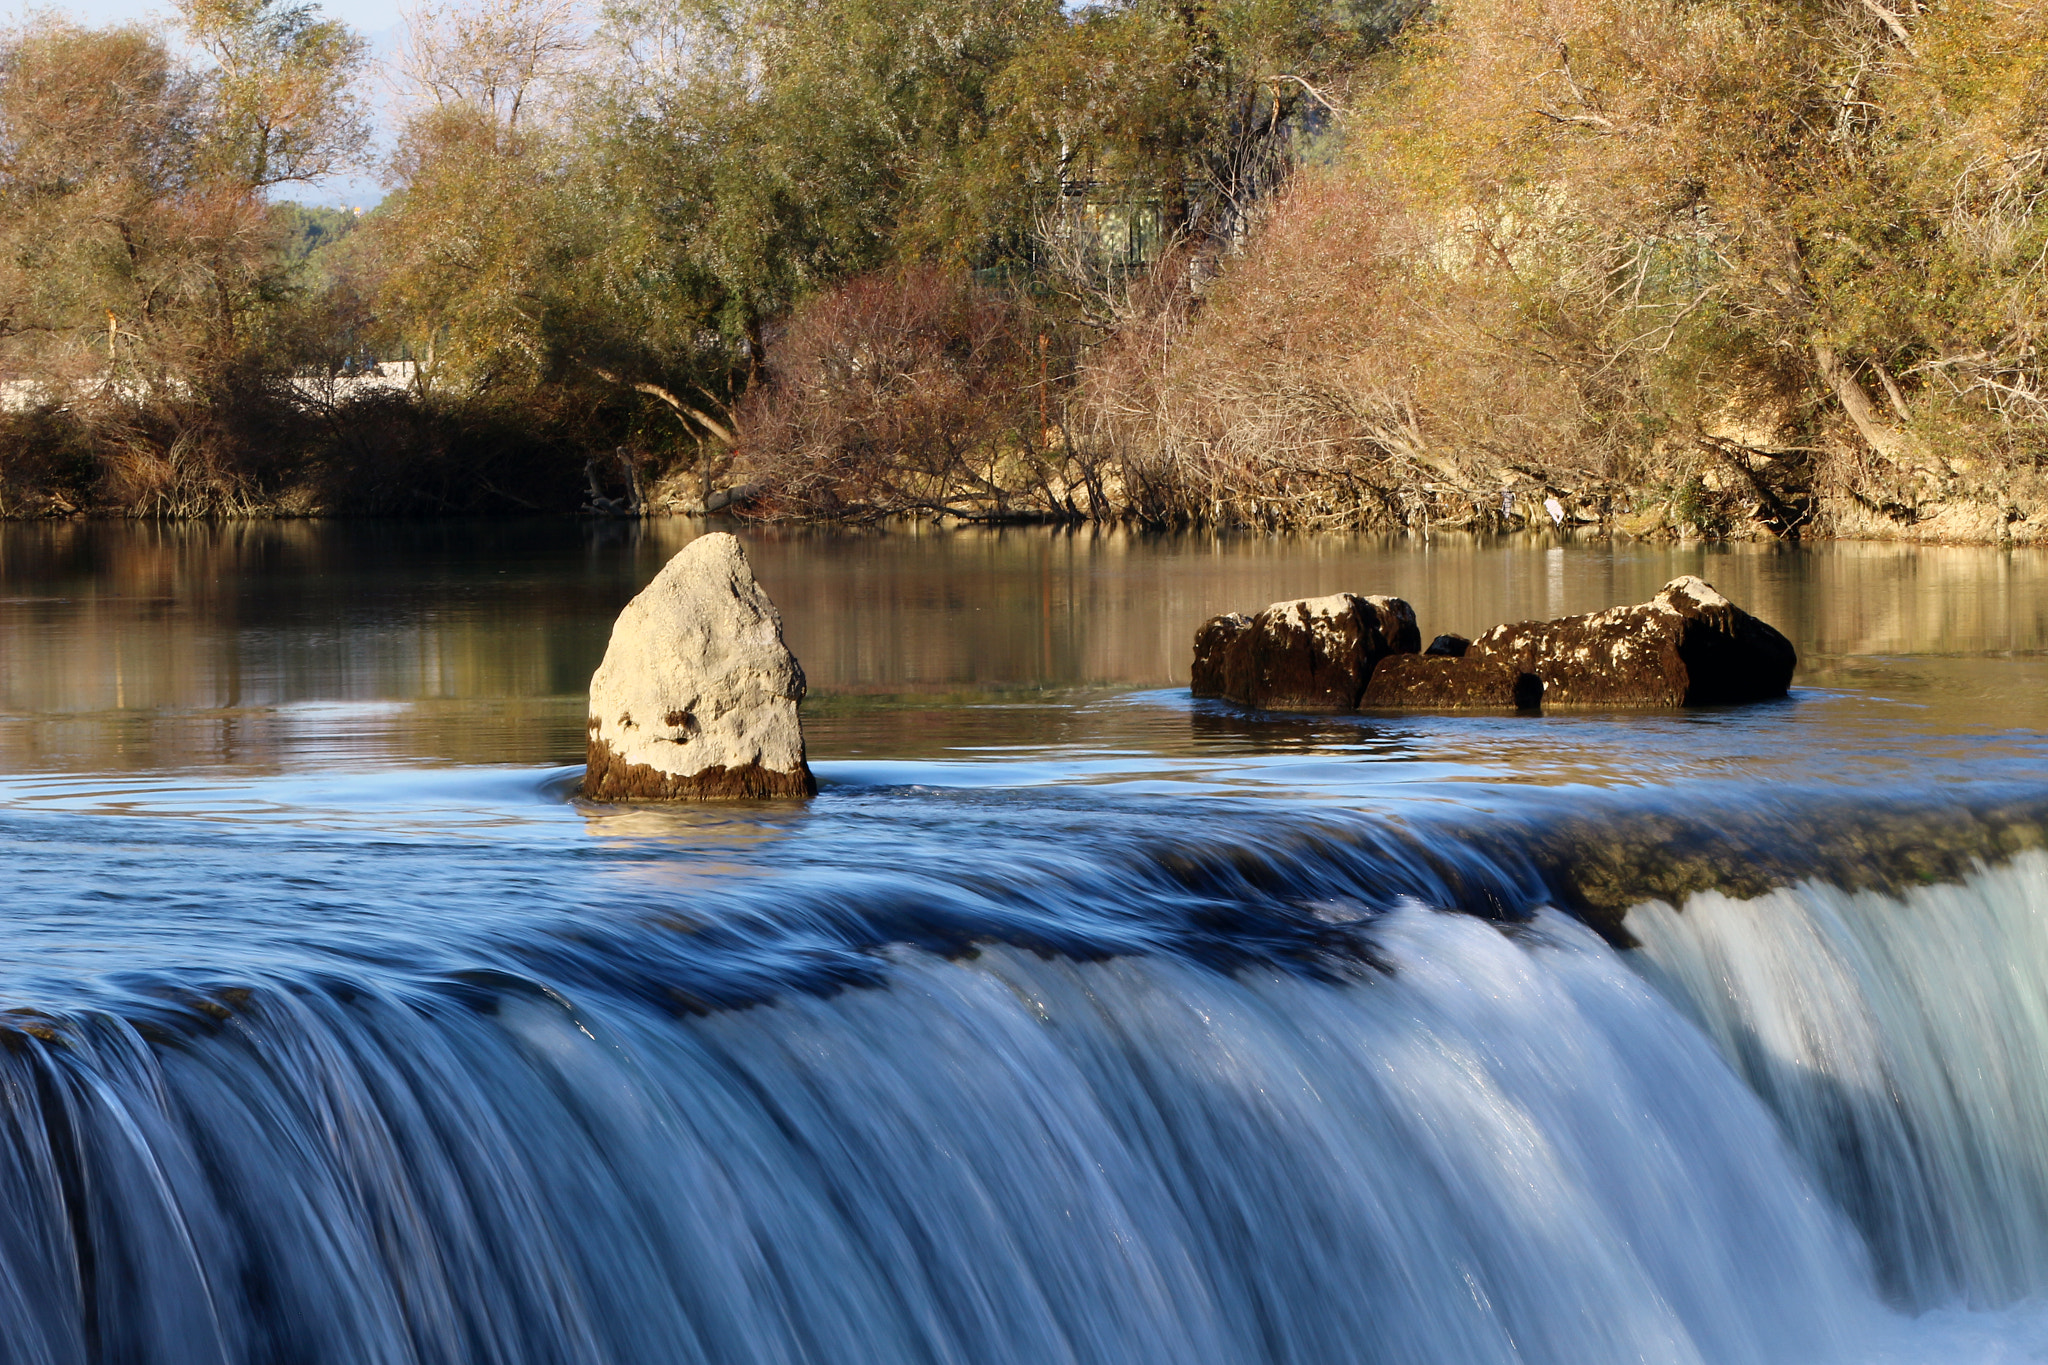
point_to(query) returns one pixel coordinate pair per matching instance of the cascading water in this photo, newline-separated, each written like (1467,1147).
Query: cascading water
(1071,1022)
(968,1076)
(1502,1149)
(1903,1043)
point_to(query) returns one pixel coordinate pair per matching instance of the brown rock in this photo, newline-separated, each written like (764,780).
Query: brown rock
(1688,646)
(1451,645)
(1212,647)
(609,777)
(1448,682)
(1315,654)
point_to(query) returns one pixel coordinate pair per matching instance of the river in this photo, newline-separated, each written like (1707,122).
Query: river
(1073,1021)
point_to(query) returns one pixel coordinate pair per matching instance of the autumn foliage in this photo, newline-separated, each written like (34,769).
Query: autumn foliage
(1695,266)
(905,390)
(1665,266)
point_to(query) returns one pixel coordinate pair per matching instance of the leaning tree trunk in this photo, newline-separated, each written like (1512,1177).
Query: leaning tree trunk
(1882,437)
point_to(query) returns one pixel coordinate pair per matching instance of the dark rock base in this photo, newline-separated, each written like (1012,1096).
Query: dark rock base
(1214,654)
(611,778)
(1446,682)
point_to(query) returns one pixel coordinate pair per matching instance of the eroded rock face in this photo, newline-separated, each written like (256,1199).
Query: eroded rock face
(1450,682)
(1315,654)
(1688,646)
(697,696)
(1212,648)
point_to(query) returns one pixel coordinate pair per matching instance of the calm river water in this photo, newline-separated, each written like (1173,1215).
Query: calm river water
(1073,1021)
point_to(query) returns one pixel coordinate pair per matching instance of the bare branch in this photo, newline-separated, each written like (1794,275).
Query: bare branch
(685,412)
(1585,120)
(1895,24)
(1318,96)
(498,56)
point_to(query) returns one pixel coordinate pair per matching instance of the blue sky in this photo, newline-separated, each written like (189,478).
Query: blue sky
(377,20)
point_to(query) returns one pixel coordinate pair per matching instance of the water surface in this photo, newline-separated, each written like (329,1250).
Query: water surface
(1074,1020)
(297,645)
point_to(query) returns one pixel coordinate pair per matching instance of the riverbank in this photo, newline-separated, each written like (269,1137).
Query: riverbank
(1474,275)
(1700,509)
(1794,472)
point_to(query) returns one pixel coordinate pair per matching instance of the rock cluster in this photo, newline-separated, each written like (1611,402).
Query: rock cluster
(1688,646)
(1311,655)
(697,696)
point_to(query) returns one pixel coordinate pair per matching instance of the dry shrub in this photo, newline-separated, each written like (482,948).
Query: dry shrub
(226,450)
(261,454)
(177,473)
(46,462)
(907,390)
(1365,362)
(173,459)
(1622,253)
(394,454)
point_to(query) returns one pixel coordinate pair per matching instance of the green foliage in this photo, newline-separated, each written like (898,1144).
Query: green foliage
(1595,246)
(308,230)
(281,107)
(1697,509)
(808,140)
(1201,106)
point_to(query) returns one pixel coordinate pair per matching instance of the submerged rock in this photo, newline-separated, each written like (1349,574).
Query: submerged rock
(1315,654)
(1688,646)
(1601,865)
(697,696)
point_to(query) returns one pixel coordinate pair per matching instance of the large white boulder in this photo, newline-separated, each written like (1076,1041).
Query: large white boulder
(696,699)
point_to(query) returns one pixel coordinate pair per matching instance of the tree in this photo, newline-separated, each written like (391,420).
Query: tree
(497,58)
(469,240)
(1203,106)
(821,138)
(102,288)
(145,278)
(1827,190)
(283,106)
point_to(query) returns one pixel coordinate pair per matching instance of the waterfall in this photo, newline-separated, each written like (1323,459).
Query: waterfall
(1503,1146)
(1902,1041)
(956,1079)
